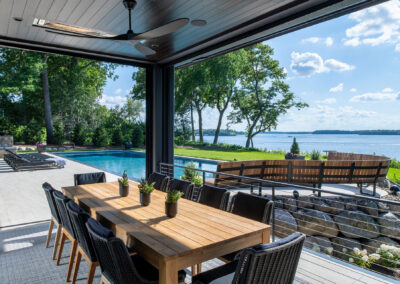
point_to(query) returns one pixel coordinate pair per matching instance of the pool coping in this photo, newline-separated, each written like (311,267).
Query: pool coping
(119,174)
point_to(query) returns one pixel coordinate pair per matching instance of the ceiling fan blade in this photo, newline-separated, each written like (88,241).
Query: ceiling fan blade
(143,48)
(71,30)
(163,30)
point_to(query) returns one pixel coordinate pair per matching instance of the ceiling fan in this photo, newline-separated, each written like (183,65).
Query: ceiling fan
(132,38)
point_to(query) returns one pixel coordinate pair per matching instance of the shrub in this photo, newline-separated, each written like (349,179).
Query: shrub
(117,137)
(395,164)
(58,133)
(79,134)
(100,137)
(138,135)
(18,133)
(315,155)
(295,147)
(5,125)
(191,174)
(34,133)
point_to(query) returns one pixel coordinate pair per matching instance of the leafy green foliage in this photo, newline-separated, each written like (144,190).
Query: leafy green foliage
(315,155)
(124,181)
(173,195)
(100,137)
(295,149)
(145,187)
(117,137)
(395,164)
(80,134)
(58,133)
(138,135)
(190,174)
(34,133)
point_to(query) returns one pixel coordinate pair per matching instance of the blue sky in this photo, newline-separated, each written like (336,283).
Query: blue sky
(346,69)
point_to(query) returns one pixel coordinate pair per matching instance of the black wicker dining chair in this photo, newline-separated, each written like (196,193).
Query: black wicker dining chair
(213,196)
(117,266)
(55,217)
(161,181)
(89,178)
(267,264)
(183,185)
(78,218)
(250,206)
(68,231)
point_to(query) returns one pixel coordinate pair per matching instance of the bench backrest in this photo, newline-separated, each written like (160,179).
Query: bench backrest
(304,171)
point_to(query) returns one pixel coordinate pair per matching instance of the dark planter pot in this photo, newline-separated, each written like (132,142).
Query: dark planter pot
(171,209)
(41,149)
(392,272)
(145,198)
(123,190)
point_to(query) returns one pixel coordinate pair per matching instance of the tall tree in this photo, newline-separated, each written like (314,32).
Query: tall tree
(264,96)
(224,74)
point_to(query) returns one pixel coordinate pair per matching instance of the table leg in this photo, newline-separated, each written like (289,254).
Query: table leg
(266,237)
(168,274)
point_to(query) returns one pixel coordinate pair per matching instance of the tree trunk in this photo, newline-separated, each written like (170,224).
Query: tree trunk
(248,140)
(200,125)
(192,122)
(221,115)
(46,99)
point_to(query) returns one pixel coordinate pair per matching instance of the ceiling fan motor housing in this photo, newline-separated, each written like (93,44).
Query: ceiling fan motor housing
(130,4)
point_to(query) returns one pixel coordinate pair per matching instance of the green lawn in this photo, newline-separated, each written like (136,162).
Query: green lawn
(228,155)
(391,175)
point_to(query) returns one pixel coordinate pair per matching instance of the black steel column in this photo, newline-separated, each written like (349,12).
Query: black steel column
(159,116)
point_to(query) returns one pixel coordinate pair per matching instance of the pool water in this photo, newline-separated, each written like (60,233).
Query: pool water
(133,162)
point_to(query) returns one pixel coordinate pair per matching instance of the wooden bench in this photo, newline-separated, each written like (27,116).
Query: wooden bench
(339,168)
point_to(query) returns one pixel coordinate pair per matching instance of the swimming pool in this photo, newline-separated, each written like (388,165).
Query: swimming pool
(132,161)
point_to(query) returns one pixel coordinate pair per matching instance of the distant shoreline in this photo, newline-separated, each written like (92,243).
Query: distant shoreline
(211,132)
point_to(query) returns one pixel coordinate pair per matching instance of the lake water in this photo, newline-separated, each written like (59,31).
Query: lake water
(387,145)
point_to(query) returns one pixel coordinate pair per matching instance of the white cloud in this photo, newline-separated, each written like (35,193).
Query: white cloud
(353,90)
(376,25)
(328,41)
(327,101)
(338,88)
(111,101)
(127,91)
(308,63)
(118,91)
(373,97)
(387,90)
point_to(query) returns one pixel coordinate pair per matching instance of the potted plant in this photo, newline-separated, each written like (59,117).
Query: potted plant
(41,147)
(171,202)
(123,185)
(145,190)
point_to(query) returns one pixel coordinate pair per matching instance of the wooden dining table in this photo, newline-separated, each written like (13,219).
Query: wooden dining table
(198,232)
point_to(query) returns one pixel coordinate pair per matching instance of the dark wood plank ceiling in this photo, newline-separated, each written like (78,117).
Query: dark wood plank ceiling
(230,24)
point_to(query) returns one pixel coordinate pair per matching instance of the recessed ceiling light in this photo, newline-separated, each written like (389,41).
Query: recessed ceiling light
(18,19)
(198,23)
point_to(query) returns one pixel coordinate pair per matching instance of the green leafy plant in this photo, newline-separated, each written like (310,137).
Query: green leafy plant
(389,255)
(295,149)
(145,187)
(190,174)
(123,181)
(173,195)
(315,155)
(361,258)
(100,137)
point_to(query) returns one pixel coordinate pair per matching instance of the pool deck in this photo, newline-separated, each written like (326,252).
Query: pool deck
(24,209)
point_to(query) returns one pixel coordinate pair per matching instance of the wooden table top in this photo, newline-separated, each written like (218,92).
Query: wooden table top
(195,227)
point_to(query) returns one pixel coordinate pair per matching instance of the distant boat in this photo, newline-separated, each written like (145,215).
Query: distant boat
(290,136)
